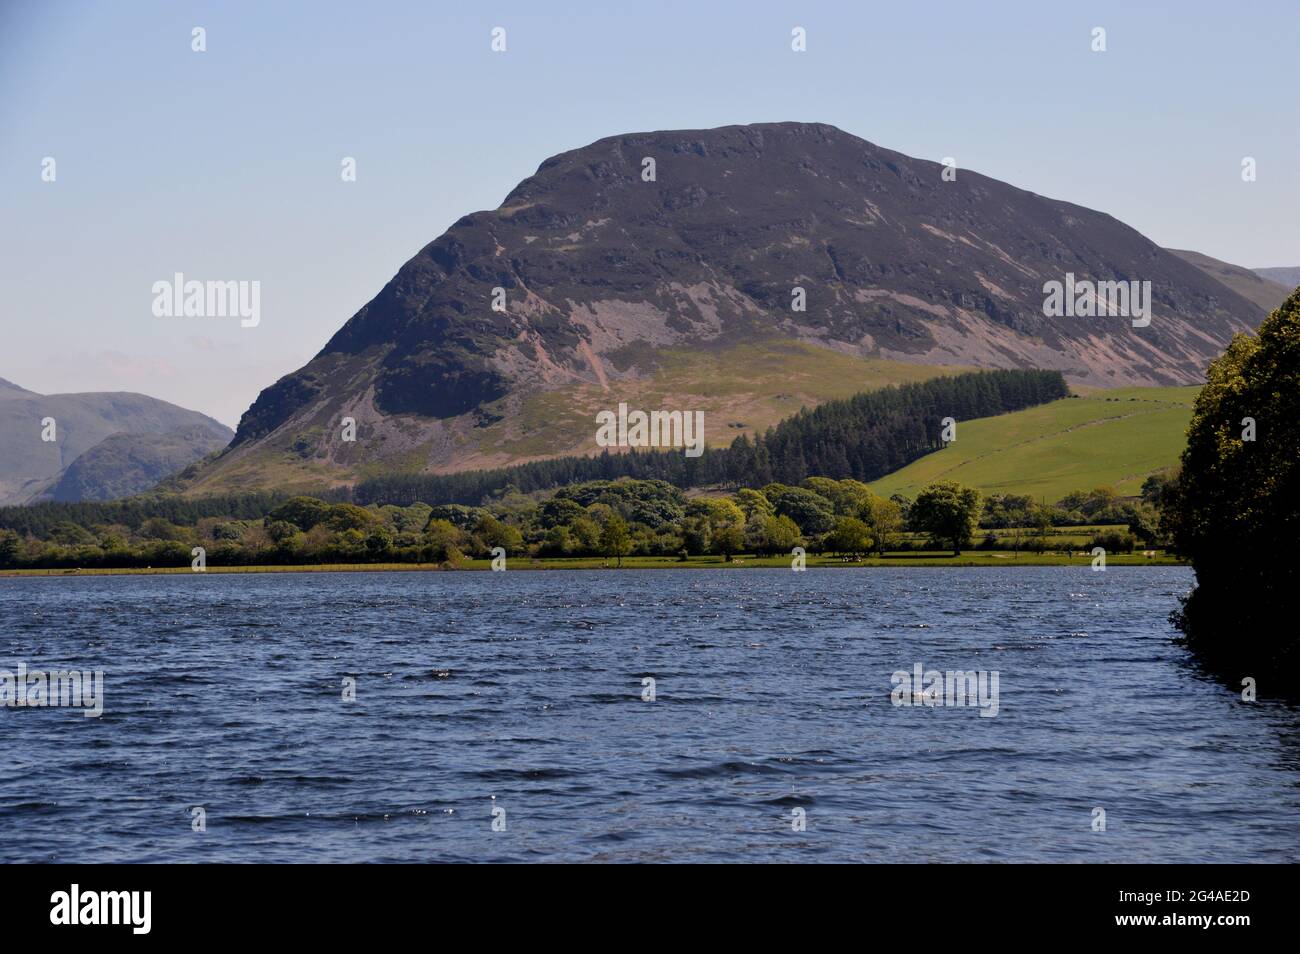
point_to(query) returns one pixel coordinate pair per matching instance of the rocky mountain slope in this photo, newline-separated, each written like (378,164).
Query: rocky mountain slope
(106,444)
(678,291)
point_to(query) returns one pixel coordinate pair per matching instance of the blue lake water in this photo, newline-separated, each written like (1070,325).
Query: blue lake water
(522,691)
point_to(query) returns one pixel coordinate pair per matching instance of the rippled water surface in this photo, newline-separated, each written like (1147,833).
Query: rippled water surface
(773,693)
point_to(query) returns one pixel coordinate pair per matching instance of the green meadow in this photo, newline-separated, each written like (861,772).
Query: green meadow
(1101,437)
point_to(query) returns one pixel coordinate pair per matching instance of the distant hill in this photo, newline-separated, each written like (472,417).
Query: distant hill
(618,285)
(1265,292)
(152,434)
(1289,277)
(1104,437)
(9,389)
(125,464)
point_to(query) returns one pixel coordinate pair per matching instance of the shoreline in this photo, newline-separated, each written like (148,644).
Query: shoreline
(968,559)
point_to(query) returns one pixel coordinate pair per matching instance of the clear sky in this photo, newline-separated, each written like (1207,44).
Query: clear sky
(226,164)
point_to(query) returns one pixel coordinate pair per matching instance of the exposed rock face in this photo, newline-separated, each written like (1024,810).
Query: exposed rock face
(603,270)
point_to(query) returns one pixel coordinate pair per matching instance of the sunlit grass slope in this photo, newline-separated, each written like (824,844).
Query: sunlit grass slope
(1116,437)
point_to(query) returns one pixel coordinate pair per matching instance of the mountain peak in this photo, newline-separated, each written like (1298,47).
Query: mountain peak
(617,261)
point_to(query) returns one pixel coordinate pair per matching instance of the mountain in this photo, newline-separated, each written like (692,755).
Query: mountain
(105,444)
(9,389)
(124,464)
(677,293)
(1288,277)
(1252,285)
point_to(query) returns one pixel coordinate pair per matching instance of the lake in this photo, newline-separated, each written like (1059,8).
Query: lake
(518,701)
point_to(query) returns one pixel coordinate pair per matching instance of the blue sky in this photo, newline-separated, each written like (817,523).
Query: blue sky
(225,164)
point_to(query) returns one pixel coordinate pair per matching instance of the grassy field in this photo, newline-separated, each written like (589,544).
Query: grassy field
(741,388)
(910,559)
(1116,437)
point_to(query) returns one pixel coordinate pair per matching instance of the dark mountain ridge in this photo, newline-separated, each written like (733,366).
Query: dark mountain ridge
(603,271)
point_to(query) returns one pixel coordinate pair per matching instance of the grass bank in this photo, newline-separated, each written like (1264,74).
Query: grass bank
(970,558)
(1114,438)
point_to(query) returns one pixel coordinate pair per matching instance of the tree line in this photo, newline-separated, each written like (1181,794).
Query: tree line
(604,518)
(42,520)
